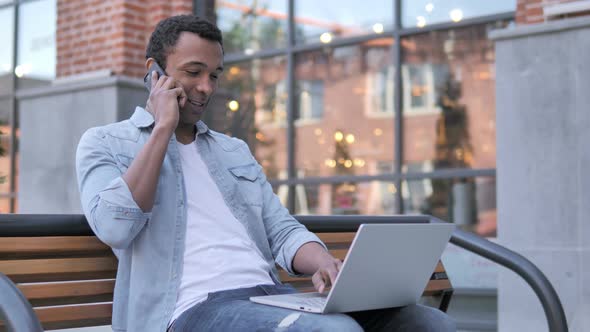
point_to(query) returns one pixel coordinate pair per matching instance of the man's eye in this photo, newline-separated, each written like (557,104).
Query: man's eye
(214,77)
(193,73)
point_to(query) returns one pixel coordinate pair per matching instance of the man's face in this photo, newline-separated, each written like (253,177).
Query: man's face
(197,64)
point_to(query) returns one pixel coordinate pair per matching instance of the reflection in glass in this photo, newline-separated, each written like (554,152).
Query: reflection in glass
(322,21)
(253,25)
(366,198)
(250,104)
(449,100)
(421,13)
(7,39)
(36,44)
(344,109)
(5,132)
(468,202)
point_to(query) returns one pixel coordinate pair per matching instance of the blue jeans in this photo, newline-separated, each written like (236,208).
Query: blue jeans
(232,310)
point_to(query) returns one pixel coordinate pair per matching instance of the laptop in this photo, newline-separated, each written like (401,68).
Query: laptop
(387,265)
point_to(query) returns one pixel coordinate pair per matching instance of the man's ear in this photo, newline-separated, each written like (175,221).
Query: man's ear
(148,63)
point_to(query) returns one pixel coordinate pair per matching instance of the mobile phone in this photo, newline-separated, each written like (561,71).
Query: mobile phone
(147,79)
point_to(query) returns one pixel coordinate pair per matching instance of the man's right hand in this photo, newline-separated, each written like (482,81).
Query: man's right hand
(167,96)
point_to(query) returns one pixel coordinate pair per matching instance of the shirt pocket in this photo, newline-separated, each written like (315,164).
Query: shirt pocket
(124,162)
(246,176)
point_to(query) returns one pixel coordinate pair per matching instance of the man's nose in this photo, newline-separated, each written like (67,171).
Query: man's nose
(205,85)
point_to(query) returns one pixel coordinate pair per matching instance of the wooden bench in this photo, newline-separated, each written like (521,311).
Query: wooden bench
(69,280)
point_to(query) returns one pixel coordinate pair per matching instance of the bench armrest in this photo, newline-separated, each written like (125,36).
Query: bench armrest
(15,310)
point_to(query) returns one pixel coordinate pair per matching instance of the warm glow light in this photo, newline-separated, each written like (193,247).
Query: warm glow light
(429,7)
(350,138)
(378,28)
(326,37)
(378,132)
(330,163)
(22,70)
(260,136)
(391,189)
(322,141)
(456,15)
(338,136)
(348,163)
(233,105)
(234,70)
(359,162)
(420,21)
(318,131)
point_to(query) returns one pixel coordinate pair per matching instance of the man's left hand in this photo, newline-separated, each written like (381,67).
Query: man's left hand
(325,276)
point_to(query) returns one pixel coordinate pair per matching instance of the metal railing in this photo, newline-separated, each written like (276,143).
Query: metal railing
(48,225)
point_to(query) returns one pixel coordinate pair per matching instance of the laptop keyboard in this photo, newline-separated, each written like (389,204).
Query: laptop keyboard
(306,300)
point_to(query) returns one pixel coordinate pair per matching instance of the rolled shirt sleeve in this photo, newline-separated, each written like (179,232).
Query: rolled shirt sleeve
(108,204)
(285,234)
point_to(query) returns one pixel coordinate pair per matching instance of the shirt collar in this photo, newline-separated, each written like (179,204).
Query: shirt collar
(143,119)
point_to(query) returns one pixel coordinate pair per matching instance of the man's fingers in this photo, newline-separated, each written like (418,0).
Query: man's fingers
(338,264)
(181,95)
(169,83)
(318,282)
(332,273)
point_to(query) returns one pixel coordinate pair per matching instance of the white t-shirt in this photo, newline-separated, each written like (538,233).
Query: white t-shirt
(219,254)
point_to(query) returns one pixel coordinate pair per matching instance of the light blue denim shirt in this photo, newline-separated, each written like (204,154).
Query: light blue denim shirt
(150,245)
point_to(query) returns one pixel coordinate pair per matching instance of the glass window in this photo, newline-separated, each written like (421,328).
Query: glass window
(7,40)
(420,13)
(5,132)
(253,25)
(366,198)
(250,104)
(342,96)
(468,202)
(448,99)
(322,21)
(36,43)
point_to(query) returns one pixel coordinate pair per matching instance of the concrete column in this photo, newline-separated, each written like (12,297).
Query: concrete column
(52,120)
(543,165)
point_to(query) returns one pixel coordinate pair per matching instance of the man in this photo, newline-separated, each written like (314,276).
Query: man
(190,215)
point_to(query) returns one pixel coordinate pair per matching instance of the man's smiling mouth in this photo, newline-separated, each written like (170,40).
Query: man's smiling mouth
(196,103)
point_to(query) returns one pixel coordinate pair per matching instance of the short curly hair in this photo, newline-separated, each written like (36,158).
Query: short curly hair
(166,34)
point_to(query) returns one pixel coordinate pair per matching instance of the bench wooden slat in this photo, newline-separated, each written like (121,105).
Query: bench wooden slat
(68,316)
(32,270)
(11,246)
(58,293)
(67,289)
(329,238)
(435,286)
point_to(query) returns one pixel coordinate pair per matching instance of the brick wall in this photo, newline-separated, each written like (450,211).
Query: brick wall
(531,11)
(110,35)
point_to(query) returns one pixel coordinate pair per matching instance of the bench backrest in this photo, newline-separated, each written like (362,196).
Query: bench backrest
(69,280)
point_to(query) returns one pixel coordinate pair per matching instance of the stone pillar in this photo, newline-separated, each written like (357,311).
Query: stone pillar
(543,166)
(52,120)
